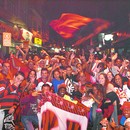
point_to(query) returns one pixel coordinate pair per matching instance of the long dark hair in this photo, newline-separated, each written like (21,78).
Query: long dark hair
(28,78)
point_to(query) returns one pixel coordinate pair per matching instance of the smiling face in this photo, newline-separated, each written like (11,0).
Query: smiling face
(45,89)
(57,75)
(79,67)
(32,75)
(118,80)
(62,92)
(68,71)
(110,76)
(18,80)
(101,79)
(126,112)
(44,74)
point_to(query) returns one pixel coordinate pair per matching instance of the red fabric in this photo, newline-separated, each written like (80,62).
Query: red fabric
(9,100)
(23,67)
(68,24)
(108,111)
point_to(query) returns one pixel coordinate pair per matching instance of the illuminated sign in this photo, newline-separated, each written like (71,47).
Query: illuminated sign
(6,39)
(38,41)
(26,35)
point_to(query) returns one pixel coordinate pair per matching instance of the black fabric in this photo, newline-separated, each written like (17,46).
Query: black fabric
(107,104)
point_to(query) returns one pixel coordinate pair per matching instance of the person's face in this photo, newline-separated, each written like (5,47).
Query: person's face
(36,58)
(6,68)
(118,62)
(128,75)
(29,58)
(18,80)
(95,90)
(118,80)
(45,89)
(73,62)
(56,74)
(100,67)
(68,71)
(63,62)
(62,92)
(32,74)
(91,58)
(44,74)
(109,76)
(127,126)
(41,63)
(126,112)
(47,57)
(101,79)
(31,65)
(109,64)
(79,67)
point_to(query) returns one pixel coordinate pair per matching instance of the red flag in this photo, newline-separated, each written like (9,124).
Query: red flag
(68,24)
(23,67)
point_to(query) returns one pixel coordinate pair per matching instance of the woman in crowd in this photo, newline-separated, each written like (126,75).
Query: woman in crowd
(30,83)
(95,111)
(111,105)
(110,77)
(119,83)
(57,80)
(102,83)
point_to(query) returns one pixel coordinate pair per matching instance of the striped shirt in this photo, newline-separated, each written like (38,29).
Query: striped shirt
(10,96)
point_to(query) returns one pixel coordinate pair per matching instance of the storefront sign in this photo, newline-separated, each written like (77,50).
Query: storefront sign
(6,39)
(38,41)
(26,35)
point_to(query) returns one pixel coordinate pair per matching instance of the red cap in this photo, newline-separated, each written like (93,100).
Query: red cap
(62,86)
(125,105)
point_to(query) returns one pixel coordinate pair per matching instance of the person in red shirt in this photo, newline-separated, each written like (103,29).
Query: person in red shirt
(9,100)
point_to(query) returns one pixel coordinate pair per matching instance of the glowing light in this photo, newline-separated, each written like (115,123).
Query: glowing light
(108,37)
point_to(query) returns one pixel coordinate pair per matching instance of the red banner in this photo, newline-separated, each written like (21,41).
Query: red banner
(59,114)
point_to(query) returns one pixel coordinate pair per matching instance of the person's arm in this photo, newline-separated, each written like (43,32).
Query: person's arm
(2,88)
(72,56)
(14,64)
(106,125)
(44,52)
(20,50)
(123,68)
(95,99)
(12,109)
(55,66)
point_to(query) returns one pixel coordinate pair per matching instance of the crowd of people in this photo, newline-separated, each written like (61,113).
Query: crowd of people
(100,83)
